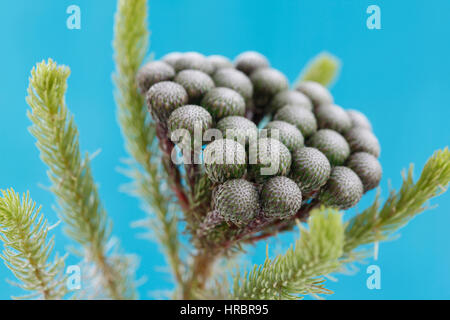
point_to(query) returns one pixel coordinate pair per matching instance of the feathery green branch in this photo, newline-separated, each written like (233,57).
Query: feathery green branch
(299,271)
(375,224)
(27,251)
(131,45)
(324,68)
(72,182)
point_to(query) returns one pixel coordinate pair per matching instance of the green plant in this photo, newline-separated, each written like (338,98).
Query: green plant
(220,205)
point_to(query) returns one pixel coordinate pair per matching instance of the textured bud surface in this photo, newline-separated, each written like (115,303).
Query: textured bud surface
(223,102)
(172,58)
(153,72)
(237,128)
(189,116)
(224,159)
(236,201)
(280,198)
(359,120)
(163,98)
(196,83)
(194,61)
(287,133)
(310,169)
(332,144)
(331,116)
(271,158)
(363,140)
(236,80)
(344,189)
(290,97)
(250,61)
(219,62)
(316,92)
(368,169)
(267,82)
(302,118)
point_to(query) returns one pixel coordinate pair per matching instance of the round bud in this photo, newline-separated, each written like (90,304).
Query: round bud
(290,97)
(359,119)
(224,159)
(368,169)
(237,128)
(172,58)
(250,61)
(236,201)
(196,83)
(219,62)
(363,140)
(316,92)
(163,98)
(310,169)
(343,190)
(280,198)
(236,80)
(190,118)
(300,117)
(153,72)
(194,61)
(223,102)
(268,157)
(331,144)
(267,82)
(331,116)
(287,133)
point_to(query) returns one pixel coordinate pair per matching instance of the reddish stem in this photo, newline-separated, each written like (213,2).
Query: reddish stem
(166,147)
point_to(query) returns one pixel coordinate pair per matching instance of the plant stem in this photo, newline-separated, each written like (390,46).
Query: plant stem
(201,270)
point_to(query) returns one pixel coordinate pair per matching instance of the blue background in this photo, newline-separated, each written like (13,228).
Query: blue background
(398,76)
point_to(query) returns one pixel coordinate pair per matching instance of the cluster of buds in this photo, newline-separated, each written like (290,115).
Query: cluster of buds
(268,151)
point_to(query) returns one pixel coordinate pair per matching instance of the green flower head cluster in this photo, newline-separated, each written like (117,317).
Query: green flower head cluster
(309,149)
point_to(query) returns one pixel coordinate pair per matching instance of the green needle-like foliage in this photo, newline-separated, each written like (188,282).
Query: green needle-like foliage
(324,69)
(70,173)
(27,249)
(377,223)
(131,45)
(300,270)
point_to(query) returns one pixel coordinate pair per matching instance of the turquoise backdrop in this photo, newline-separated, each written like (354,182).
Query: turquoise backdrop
(398,76)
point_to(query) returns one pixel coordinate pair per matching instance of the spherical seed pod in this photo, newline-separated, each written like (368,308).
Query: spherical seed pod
(343,190)
(302,118)
(267,82)
(223,102)
(316,92)
(331,116)
(310,169)
(237,128)
(194,61)
(172,58)
(368,169)
(153,72)
(237,201)
(290,97)
(363,140)
(332,144)
(190,118)
(220,62)
(287,133)
(359,120)
(163,98)
(224,159)
(196,83)
(236,80)
(250,61)
(268,157)
(280,198)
